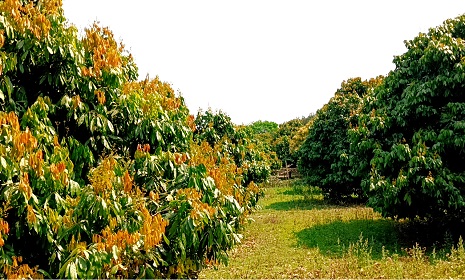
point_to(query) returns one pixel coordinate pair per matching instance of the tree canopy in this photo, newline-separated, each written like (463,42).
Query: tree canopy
(324,157)
(412,129)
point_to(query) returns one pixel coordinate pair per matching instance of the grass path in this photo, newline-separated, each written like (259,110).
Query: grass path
(297,236)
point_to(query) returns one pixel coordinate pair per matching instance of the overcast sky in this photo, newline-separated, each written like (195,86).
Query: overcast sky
(262,60)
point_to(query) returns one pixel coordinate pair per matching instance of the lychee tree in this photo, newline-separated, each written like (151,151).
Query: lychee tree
(413,129)
(99,173)
(325,159)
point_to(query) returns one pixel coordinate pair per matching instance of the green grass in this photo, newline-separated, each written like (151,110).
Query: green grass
(296,234)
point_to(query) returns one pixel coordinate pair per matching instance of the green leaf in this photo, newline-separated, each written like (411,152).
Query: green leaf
(20,44)
(24,55)
(149,272)
(72,271)
(237,237)
(92,125)
(167,241)
(82,264)
(81,119)
(44,273)
(105,142)
(3,162)
(110,126)
(114,269)
(99,122)
(9,85)
(408,199)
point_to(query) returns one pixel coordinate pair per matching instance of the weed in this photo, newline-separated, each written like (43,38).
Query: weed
(361,250)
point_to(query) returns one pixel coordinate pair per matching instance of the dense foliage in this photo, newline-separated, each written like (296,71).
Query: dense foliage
(99,174)
(212,127)
(299,136)
(283,140)
(325,159)
(398,141)
(412,129)
(263,133)
(251,155)
(263,127)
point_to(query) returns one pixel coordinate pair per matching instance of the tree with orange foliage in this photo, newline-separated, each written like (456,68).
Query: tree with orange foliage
(100,176)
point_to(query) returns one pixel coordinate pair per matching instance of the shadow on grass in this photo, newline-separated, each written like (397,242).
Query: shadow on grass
(292,192)
(298,204)
(333,239)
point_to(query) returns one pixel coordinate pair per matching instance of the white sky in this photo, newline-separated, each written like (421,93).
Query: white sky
(262,59)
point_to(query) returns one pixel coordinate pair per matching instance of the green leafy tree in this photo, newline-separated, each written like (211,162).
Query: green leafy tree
(212,127)
(412,130)
(300,135)
(249,153)
(264,132)
(324,158)
(263,127)
(282,140)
